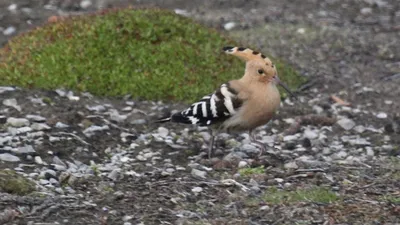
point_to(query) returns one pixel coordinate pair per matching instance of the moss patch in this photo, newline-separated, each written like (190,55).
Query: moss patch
(251,171)
(14,183)
(149,53)
(314,194)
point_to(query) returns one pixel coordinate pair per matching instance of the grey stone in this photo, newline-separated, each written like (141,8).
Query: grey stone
(346,123)
(198,173)
(36,118)
(18,122)
(9,31)
(27,149)
(40,126)
(61,125)
(310,134)
(288,138)
(5,89)
(38,160)
(94,128)
(9,158)
(163,132)
(96,108)
(113,175)
(12,102)
(139,122)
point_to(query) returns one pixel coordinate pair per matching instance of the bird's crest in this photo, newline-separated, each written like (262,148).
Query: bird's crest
(246,54)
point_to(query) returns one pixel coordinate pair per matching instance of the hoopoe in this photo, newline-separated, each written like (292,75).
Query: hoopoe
(238,105)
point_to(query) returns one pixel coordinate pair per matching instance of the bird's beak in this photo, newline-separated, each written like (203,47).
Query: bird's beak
(278,81)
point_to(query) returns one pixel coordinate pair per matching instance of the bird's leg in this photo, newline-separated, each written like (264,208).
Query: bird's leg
(259,143)
(211,144)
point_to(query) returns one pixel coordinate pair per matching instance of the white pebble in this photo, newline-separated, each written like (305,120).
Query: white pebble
(242,164)
(9,31)
(346,124)
(197,190)
(381,115)
(229,25)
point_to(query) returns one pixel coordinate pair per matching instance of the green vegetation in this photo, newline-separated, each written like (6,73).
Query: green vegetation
(251,171)
(14,183)
(149,53)
(314,194)
(391,199)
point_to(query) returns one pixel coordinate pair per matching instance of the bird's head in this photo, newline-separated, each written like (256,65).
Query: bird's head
(258,66)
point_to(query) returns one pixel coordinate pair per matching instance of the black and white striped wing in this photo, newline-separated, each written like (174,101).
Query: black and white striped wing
(211,109)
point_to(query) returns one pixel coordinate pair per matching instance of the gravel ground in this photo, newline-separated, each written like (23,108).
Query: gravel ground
(102,161)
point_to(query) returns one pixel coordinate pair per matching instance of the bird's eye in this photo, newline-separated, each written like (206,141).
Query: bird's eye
(260,71)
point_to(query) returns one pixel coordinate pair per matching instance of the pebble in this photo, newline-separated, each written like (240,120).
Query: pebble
(310,134)
(40,126)
(113,175)
(38,160)
(85,4)
(288,138)
(9,31)
(36,118)
(138,122)
(381,115)
(12,102)
(346,123)
(27,149)
(18,122)
(229,25)
(199,173)
(197,190)
(5,89)
(163,132)
(242,164)
(61,125)
(9,158)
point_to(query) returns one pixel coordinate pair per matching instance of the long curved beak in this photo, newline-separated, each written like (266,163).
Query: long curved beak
(278,81)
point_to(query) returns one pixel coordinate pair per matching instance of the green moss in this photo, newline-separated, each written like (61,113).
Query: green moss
(149,53)
(391,199)
(14,183)
(251,171)
(314,194)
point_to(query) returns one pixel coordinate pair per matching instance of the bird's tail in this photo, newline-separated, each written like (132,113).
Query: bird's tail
(163,120)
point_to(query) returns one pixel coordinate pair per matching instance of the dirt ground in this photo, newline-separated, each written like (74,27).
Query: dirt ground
(349,48)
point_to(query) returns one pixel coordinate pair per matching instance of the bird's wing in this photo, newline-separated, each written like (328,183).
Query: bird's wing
(213,108)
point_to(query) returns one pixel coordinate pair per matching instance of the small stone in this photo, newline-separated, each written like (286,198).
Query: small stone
(288,138)
(366,11)
(341,155)
(38,160)
(359,129)
(113,175)
(53,181)
(291,165)
(17,122)
(279,180)
(310,134)
(27,149)
(197,190)
(370,152)
(85,4)
(40,126)
(12,7)
(163,132)
(116,117)
(317,109)
(182,12)
(127,109)
(346,123)
(265,208)
(7,157)
(5,89)
(198,173)
(139,122)
(94,128)
(119,195)
(12,102)
(249,149)
(44,182)
(381,115)
(242,164)
(61,125)
(36,118)
(229,25)
(301,30)
(9,31)
(96,108)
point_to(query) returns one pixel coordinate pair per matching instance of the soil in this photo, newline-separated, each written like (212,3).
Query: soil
(347,48)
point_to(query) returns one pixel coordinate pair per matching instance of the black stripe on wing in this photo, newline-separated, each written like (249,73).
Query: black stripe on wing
(212,108)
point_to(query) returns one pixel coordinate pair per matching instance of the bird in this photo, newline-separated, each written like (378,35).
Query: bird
(239,105)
